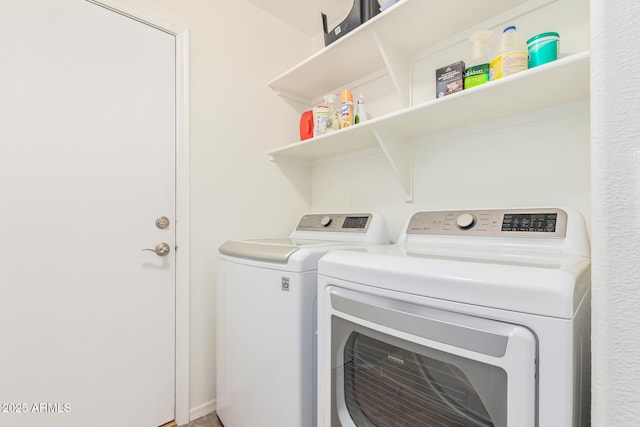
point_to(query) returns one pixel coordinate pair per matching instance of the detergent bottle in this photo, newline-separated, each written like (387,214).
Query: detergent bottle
(513,56)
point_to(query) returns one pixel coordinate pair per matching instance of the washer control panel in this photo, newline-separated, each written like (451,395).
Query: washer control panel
(538,223)
(351,223)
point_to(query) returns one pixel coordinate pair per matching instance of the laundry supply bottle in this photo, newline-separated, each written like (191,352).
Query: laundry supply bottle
(361,114)
(513,55)
(333,115)
(320,115)
(477,73)
(346,108)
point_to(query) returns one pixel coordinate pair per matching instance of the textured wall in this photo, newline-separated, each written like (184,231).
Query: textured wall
(615,104)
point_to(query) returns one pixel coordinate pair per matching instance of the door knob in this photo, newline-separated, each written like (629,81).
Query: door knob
(162,249)
(162,222)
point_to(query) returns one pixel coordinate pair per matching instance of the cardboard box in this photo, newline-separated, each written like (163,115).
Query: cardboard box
(449,79)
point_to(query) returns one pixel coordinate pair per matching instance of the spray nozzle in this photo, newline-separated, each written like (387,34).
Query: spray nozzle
(329,99)
(479,40)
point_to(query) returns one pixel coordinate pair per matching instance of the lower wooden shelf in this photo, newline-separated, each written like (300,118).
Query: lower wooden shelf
(564,81)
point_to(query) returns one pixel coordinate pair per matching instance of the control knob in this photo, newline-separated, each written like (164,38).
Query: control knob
(325,221)
(465,221)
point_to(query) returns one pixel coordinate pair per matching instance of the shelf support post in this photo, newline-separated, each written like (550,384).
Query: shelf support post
(397,150)
(398,64)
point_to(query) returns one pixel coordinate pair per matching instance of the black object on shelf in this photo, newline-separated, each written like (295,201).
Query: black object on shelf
(361,12)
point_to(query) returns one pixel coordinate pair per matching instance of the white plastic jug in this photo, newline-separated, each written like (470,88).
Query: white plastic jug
(513,55)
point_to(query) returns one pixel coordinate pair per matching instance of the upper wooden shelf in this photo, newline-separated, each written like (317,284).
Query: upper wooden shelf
(408,26)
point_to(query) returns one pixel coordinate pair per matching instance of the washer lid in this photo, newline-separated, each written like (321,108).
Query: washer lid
(272,250)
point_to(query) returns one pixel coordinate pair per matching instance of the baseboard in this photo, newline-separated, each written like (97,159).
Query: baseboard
(202,410)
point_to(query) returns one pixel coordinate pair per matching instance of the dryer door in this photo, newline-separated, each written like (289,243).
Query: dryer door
(398,363)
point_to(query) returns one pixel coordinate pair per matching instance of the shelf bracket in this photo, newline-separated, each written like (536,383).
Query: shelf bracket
(397,150)
(292,97)
(398,64)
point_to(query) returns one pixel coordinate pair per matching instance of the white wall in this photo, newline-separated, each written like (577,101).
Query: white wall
(616,203)
(542,162)
(539,159)
(236,192)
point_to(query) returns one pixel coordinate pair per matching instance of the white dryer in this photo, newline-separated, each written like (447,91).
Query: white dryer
(475,318)
(266,319)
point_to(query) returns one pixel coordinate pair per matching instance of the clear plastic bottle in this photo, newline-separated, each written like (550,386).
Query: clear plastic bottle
(477,72)
(320,115)
(361,114)
(333,115)
(513,55)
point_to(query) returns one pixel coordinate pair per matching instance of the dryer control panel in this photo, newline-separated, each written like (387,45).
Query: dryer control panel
(538,223)
(351,223)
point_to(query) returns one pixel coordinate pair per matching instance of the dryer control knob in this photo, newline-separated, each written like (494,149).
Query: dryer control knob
(465,221)
(325,221)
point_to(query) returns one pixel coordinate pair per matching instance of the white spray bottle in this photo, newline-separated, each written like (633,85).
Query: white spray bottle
(361,114)
(478,69)
(333,115)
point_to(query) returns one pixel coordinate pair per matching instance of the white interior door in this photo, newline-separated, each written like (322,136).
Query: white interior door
(87,164)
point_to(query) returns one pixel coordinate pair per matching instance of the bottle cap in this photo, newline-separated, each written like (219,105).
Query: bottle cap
(346,95)
(510,27)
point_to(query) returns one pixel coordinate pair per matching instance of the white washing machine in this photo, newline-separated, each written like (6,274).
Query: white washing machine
(475,318)
(266,319)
